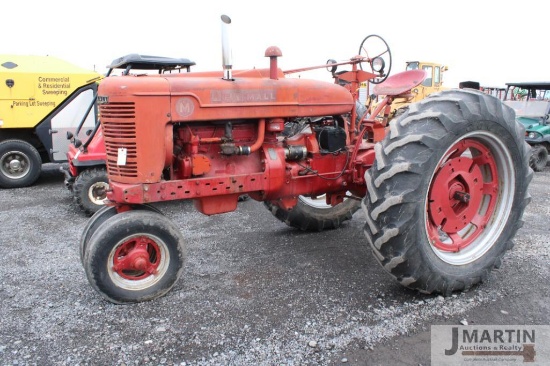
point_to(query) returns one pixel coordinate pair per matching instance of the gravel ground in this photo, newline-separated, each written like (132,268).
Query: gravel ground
(253,292)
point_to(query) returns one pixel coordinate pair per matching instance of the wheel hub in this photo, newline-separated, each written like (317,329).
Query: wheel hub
(456,185)
(98,192)
(462,196)
(15,165)
(456,191)
(137,258)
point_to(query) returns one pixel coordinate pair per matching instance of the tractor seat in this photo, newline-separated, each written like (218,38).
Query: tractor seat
(400,83)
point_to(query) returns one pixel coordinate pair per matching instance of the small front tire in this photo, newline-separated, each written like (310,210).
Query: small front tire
(90,190)
(134,256)
(99,218)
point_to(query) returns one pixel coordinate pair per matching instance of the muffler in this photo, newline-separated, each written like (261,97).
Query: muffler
(227,56)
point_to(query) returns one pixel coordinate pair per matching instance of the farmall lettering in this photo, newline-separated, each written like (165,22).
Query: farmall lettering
(243,96)
(313,155)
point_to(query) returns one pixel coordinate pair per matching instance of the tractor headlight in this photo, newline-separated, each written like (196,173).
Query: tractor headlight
(378,64)
(532,135)
(330,67)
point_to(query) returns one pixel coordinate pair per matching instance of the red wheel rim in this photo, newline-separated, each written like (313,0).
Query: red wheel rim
(137,258)
(462,196)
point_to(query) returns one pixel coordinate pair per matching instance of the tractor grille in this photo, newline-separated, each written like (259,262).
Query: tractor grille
(119,130)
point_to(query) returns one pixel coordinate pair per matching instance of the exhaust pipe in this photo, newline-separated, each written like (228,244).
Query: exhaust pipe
(227,57)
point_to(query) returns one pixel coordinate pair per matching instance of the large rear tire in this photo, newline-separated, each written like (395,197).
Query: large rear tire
(134,256)
(447,192)
(20,164)
(314,214)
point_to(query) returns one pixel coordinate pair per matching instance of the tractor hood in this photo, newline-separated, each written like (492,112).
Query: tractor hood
(252,95)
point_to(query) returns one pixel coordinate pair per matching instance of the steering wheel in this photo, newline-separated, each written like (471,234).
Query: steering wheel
(375,48)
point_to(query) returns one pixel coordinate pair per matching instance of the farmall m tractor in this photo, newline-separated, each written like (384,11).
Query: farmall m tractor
(443,186)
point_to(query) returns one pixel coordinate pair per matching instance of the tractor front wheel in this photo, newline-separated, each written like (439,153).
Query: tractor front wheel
(447,192)
(134,256)
(313,214)
(99,218)
(539,158)
(90,190)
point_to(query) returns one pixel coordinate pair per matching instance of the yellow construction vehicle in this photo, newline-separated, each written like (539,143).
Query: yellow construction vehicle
(432,84)
(434,78)
(41,99)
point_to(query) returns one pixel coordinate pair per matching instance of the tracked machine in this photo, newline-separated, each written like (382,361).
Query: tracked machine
(443,186)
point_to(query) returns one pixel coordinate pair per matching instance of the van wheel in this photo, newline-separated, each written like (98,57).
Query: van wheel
(20,164)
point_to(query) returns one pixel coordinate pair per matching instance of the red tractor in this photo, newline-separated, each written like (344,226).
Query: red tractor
(443,186)
(86,172)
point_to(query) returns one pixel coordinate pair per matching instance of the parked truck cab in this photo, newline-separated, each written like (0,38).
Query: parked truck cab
(41,99)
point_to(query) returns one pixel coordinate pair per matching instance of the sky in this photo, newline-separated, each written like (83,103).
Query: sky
(489,41)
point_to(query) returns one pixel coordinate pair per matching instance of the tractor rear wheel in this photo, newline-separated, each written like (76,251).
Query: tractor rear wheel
(539,158)
(90,189)
(314,214)
(447,192)
(134,256)
(20,164)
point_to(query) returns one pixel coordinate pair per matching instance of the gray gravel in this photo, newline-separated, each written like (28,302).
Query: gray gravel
(254,292)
